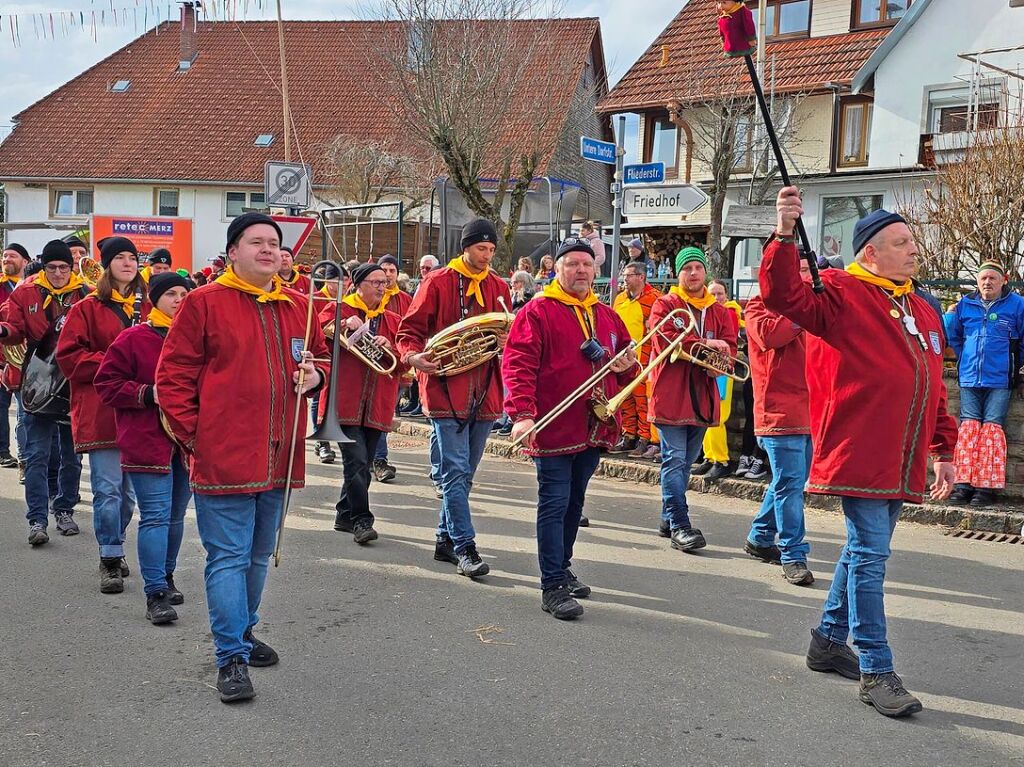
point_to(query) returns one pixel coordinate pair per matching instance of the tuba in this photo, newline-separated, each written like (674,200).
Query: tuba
(469,343)
(360,344)
(90,271)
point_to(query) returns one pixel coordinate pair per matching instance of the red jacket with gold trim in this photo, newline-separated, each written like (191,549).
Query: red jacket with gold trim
(225,385)
(877,398)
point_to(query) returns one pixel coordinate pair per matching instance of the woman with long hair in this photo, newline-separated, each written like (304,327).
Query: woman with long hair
(149,457)
(93,323)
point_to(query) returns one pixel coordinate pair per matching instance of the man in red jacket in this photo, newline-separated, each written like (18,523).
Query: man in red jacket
(564,337)
(290,276)
(366,417)
(782,425)
(15,259)
(396,301)
(878,409)
(462,407)
(226,382)
(684,397)
(35,314)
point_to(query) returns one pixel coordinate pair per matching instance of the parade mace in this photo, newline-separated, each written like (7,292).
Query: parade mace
(739,38)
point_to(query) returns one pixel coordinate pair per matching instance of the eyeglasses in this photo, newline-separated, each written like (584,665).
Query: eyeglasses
(376,283)
(57,268)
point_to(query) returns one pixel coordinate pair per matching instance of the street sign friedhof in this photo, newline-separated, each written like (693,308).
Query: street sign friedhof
(287,184)
(671,200)
(644,173)
(599,151)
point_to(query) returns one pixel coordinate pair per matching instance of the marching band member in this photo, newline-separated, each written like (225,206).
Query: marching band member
(15,259)
(878,408)
(684,397)
(325,298)
(398,301)
(79,250)
(159,263)
(91,326)
(462,407)
(35,314)
(290,276)
(563,337)
(366,418)
(152,462)
(239,343)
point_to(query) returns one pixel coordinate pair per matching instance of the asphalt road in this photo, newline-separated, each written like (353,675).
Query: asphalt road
(390,658)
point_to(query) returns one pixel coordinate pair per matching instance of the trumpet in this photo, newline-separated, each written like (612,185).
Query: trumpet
(714,361)
(469,343)
(601,406)
(90,271)
(360,344)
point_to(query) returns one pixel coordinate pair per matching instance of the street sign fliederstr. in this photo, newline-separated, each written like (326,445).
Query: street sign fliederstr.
(599,151)
(287,184)
(671,200)
(644,173)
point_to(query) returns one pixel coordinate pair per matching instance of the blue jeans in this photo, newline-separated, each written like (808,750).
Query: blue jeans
(782,511)
(855,603)
(680,446)
(162,499)
(113,500)
(984,405)
(435,458)
(5,423)
(239,533)
(381,453)
(562,488)
(41,439)
(460,453)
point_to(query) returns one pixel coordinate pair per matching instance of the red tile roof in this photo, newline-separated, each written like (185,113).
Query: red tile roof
(200,124)
(697,70)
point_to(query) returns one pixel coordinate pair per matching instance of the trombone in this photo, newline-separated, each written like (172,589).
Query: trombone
(714,361)
(601,406)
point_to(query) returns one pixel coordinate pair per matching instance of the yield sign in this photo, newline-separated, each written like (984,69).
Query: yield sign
(295,230)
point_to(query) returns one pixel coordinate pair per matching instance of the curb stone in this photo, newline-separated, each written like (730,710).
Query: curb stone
(647,473)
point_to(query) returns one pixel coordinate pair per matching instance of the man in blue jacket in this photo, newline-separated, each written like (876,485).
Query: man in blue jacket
(985,330)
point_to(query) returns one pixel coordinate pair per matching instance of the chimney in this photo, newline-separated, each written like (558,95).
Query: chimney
(189,47)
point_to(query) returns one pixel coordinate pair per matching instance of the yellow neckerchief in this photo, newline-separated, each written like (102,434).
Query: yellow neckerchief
(13,280)
(158,319)
(325,292)
(355,300)
(730,11)
(864,275)
(735,306)
(292,280)
(127,302)
(702,303)
(555,290)
(231,280)
(393,291)
(459,265)
(74,284)
(146,274)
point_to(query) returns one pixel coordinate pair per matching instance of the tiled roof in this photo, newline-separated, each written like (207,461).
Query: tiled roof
(697,70)
(200,124)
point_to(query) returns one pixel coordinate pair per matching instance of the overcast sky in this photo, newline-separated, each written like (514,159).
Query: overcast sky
(38,66)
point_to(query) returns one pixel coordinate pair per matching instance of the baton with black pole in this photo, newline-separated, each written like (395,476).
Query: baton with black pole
(739,38)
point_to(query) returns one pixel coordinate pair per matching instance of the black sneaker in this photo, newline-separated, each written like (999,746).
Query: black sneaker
(797,573)
(688,539)
(416,412)
(470,563)
(233,681)
(159,610)
(174,596)
(560,604)
(8,461)
(444,550)
(961,495)
(888,695)
(758,470)
(584,521)
(769,554)
(664,529)
(983,497)
(577,588)
(744,465)
(111,580)
(65,524)
(262,654)
(625,445)
(383,471)
(123,565)
(717,472)
(343,523)
(325,453)
(701,469)
(824,655)
(37,535)
(363,532)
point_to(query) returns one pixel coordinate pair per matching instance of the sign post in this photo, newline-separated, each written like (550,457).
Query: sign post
(620,159)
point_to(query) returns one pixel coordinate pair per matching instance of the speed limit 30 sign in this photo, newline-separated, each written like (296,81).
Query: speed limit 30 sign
(287,184)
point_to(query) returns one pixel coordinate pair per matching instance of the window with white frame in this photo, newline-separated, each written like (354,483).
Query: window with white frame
(73,201)
(838,217)
(166,202)
(952,110)
(237,203)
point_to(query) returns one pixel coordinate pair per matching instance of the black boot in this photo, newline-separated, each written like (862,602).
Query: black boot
(174,596)
(261,654)
(797,573)
(584,521)
(825,656)
(363,532)
(233,681)
(961,495)
(769,554)
(111,581)
(444,550)
(664,529)
(123,565)
(688,539)
(577,588)
(159,610)
(560,604)
(888,695)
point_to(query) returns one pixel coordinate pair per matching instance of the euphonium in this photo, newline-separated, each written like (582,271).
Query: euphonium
(378,358)
(90,271)
(717,362)
(469,343)
(15,355)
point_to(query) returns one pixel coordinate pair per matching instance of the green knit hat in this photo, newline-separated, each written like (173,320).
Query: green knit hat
(692,253)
